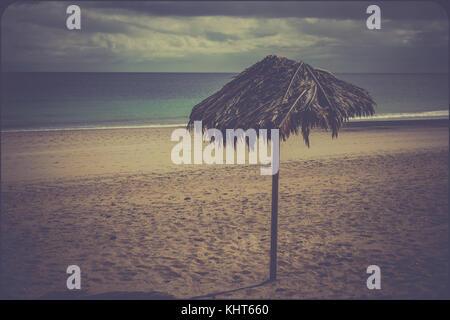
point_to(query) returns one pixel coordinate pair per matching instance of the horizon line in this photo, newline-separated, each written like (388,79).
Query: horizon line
(208,72)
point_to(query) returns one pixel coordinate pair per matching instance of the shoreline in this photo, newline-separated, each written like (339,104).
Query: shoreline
(352,122)
(74,154)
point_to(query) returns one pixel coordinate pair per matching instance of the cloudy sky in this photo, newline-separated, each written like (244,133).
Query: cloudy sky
(223,36)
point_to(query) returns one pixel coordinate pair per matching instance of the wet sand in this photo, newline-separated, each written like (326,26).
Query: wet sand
(112,202)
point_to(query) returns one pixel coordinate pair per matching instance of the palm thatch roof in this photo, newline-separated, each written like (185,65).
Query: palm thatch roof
(278,93)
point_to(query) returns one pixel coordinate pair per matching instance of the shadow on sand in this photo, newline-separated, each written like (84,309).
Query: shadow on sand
(124,295)
(219,293)
(117,295)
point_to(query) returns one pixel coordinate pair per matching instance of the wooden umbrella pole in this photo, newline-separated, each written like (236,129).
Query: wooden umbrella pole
(274,225)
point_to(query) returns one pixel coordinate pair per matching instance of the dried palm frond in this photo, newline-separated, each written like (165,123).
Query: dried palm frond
(278,93)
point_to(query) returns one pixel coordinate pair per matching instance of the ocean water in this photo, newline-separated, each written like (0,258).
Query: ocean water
(53,101)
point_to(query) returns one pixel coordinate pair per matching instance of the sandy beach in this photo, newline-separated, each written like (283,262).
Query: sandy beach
(113,203)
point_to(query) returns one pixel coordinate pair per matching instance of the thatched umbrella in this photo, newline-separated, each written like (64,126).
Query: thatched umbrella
(278,93)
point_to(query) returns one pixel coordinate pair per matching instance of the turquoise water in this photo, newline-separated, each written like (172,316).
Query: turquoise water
(45,101)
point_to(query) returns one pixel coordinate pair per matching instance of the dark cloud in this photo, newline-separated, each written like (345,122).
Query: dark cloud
(417,10)
(224,36)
